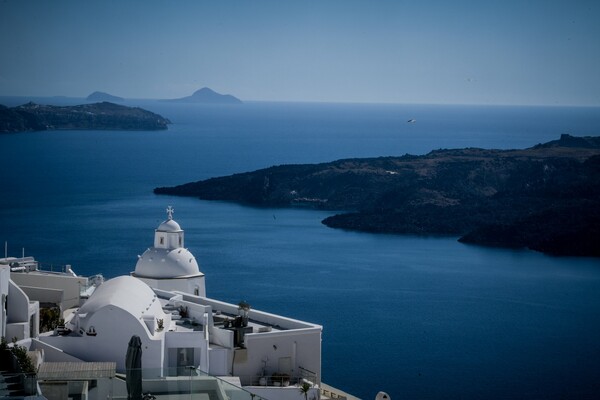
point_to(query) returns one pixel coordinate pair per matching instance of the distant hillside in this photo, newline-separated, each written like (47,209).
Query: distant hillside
(207,96)
(97,116)
(546,198)
(101,96)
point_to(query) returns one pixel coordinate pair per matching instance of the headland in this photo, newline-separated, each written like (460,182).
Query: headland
(96,116)
(546,198)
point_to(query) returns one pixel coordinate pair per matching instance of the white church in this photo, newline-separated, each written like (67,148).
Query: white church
(163,301)
(168,265)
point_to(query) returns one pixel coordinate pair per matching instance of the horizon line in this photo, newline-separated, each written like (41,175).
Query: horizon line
(323,102)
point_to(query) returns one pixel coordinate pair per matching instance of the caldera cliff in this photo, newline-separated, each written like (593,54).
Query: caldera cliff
(545,198)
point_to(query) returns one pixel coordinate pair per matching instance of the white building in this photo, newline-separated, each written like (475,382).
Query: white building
(164,303)
(168,265)
(19,317)
(60,286)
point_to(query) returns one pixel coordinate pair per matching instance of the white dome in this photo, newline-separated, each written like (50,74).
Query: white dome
(125,292)
(169,226)
(167,264)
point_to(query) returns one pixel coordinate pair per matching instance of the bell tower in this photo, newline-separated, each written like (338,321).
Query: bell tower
(168,265)
(169,234)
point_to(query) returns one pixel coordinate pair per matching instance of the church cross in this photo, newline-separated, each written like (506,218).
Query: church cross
(170,212)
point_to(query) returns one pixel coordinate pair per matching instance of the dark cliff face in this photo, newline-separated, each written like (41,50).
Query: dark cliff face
(12,120)
(486,195)
(98,116)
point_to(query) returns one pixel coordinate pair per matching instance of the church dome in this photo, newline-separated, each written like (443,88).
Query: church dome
(169,226)
(127,293)
(167,259)
(167,264)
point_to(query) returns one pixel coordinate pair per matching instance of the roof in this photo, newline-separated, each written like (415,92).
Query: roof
(76,370)
(125,292)
(169,226)
(167,264)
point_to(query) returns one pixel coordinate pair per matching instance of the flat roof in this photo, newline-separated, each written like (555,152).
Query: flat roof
(76,370)
(259,321)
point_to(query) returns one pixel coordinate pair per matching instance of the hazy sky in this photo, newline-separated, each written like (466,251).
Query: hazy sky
(491,52)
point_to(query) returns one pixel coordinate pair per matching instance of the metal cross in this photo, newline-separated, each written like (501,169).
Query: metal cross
(170,212)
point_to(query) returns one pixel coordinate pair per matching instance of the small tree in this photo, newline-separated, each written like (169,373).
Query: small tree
(304,389)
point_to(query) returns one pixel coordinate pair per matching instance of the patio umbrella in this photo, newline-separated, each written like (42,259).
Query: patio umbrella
(133,368)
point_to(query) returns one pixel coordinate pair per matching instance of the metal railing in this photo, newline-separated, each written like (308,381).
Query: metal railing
(18,384)
(184,382)
(281,379)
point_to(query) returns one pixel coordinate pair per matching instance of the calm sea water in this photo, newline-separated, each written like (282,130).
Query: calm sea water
(417,317)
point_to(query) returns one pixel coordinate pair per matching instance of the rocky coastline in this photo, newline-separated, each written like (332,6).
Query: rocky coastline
(96,116)
(546,198)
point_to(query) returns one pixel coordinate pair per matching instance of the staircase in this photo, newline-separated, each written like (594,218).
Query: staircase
(11,386)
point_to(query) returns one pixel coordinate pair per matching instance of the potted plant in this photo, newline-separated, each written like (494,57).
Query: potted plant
(243,309)
(183,311)
(159,324)
(61,328)
(280,379)
(276,379)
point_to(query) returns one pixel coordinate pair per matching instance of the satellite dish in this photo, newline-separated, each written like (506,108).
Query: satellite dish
(382,396)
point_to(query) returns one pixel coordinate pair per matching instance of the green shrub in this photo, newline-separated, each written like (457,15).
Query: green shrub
(20,353)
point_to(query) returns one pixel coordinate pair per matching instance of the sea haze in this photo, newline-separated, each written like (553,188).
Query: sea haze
(417,317)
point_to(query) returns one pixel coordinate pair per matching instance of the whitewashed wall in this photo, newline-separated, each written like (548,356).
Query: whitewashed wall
(302,347)
(69,285)
(4,278)
(183,285)
(114,328)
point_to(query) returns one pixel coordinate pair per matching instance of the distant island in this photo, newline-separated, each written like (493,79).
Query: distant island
(101,96)
(97,116)
(207,96)
(546,198)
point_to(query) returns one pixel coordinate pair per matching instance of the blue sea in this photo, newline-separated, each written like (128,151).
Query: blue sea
(416,317)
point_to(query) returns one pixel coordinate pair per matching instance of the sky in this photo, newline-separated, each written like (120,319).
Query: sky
(542,52)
